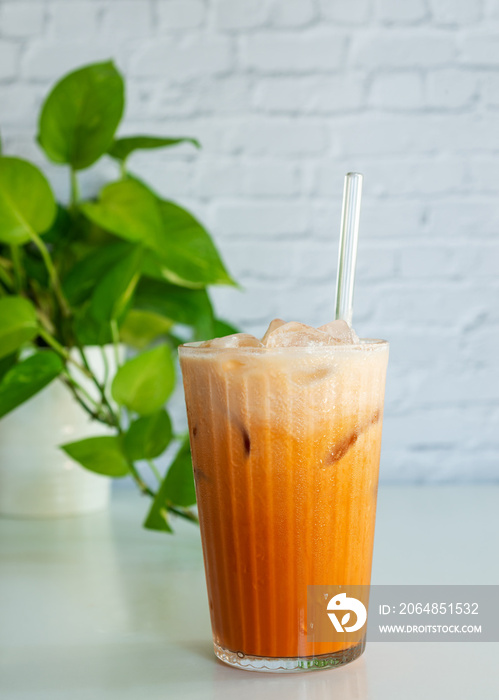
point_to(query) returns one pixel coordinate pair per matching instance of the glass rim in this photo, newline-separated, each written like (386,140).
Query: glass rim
(364,344)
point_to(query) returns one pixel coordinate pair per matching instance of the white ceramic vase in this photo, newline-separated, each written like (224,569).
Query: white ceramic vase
(37,479)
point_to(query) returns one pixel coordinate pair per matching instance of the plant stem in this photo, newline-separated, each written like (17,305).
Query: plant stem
(16,261)
(116,340)
(184,513)
(77,397)
(88,369)
(101,387)
(140,481)
(84,359)
(60,350)
(110,418)
(75,190)
(154,470)
(55,345)
(106,367)
(82,389)
(6,280)
(54,278)
(94,413)
(44,319)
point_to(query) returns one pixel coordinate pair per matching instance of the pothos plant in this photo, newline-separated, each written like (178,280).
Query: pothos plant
(127,267)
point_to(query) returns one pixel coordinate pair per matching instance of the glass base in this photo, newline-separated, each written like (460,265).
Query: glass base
(289,664)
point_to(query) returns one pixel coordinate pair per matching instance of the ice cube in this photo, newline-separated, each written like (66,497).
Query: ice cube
(273,325)
(237,340)
(340,331)
(298,335)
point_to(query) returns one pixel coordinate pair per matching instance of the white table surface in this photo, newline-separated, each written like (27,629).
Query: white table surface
(94,607)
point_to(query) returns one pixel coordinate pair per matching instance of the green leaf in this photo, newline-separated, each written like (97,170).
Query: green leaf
(190,307)
(123,147)
(27,378)
(61,227)
(102,455)
(88,331)
(188,255)
(179,480)
(88,236)
(140,328)
(80,116)
(6,363)
(129,210)
(177,488)
(144,383)
(26,201)
(184,253)
(149,436)
(157,517)
(114,292)
(84,276)
(18,323)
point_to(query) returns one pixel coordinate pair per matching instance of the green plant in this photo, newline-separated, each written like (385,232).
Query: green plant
(127,267)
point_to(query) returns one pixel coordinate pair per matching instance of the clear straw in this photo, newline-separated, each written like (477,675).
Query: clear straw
(349,236)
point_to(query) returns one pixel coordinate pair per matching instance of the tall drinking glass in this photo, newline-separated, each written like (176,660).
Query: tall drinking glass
(285,444)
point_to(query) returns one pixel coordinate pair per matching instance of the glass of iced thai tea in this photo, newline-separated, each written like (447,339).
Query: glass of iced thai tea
(285,435)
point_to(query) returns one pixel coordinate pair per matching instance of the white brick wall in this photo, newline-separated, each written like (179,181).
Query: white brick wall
(286,96)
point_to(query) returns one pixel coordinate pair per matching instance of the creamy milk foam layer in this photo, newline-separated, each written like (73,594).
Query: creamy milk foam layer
(324,372)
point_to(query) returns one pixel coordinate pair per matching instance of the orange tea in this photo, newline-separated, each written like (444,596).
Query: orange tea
(285,436)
